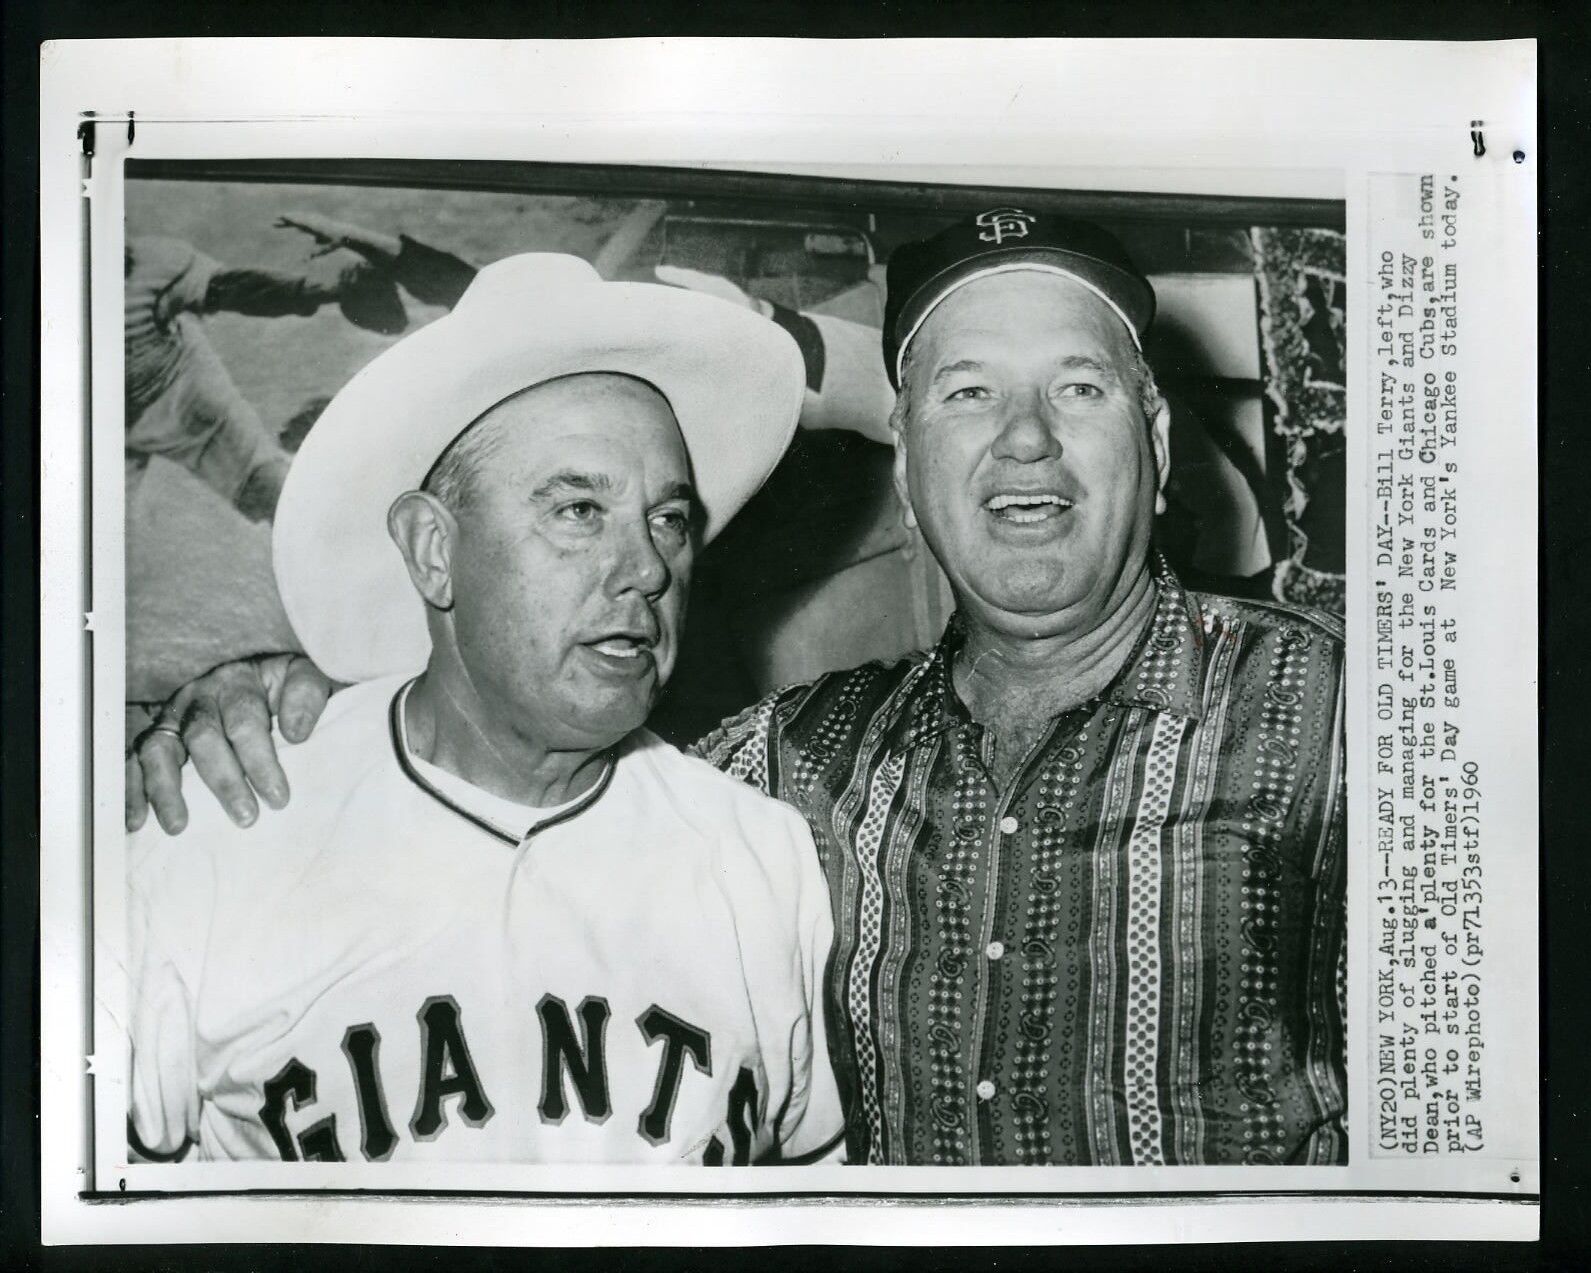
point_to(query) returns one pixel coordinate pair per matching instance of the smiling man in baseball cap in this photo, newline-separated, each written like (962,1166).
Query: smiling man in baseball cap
(1089,860)
(500,921)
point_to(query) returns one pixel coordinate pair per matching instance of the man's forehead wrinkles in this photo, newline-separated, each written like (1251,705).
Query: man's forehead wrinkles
(995,330)
(1100,363)
(1087,362)
(998,309)
(961,364)
(569,481)
(574,480)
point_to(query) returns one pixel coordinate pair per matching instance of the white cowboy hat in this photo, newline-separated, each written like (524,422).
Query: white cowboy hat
(734,379)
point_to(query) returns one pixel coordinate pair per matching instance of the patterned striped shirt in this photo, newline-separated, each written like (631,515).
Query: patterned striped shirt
(1130,953)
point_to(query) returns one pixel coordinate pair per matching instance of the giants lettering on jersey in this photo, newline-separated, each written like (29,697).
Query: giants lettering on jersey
(573,1059)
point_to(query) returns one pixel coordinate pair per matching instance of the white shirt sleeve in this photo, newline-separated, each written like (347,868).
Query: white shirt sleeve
(164,891)
(855,393)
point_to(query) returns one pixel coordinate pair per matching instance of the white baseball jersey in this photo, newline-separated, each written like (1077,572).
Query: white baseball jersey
(377,973)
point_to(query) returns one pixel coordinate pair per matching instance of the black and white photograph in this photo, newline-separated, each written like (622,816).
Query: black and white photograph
(1045,649)
(620,663)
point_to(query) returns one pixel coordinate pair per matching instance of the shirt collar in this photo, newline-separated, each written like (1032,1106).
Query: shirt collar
(926,705)
(1164,674)
(464,799)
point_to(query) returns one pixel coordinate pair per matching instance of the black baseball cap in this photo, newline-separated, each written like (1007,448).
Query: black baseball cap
(922,274)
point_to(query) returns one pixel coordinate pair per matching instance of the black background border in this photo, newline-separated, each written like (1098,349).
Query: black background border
(1565,357)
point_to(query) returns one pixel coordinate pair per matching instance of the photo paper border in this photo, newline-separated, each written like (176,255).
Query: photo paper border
(210,98)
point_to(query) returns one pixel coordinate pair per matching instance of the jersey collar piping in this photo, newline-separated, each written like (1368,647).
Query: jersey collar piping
(400,746)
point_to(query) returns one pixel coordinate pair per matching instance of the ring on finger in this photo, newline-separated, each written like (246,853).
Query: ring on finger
(164,728)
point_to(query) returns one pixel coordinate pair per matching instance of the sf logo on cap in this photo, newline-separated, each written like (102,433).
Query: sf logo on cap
(1004,223)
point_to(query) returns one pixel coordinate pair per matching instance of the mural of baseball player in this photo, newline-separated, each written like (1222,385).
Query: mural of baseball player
(846,387)
(181,402)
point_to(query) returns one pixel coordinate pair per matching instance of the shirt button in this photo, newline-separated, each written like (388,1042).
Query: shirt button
(1009,825)
(995,950)
(985,1090)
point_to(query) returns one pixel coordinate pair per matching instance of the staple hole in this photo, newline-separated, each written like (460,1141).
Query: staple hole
(1519,156)
(1513,1176)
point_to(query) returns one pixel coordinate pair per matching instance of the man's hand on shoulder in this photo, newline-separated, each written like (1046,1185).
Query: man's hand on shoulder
(223,721)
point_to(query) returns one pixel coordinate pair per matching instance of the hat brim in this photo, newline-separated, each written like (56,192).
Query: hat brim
(734,380)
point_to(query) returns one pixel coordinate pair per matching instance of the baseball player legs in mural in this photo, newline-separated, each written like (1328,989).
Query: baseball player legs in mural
(501,922)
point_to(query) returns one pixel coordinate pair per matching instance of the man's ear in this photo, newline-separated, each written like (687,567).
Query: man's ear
(897,430)
(424,530)
(1160,438)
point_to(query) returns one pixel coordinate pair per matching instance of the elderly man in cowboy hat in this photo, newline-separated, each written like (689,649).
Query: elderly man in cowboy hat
(501,922)
(1087,855)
